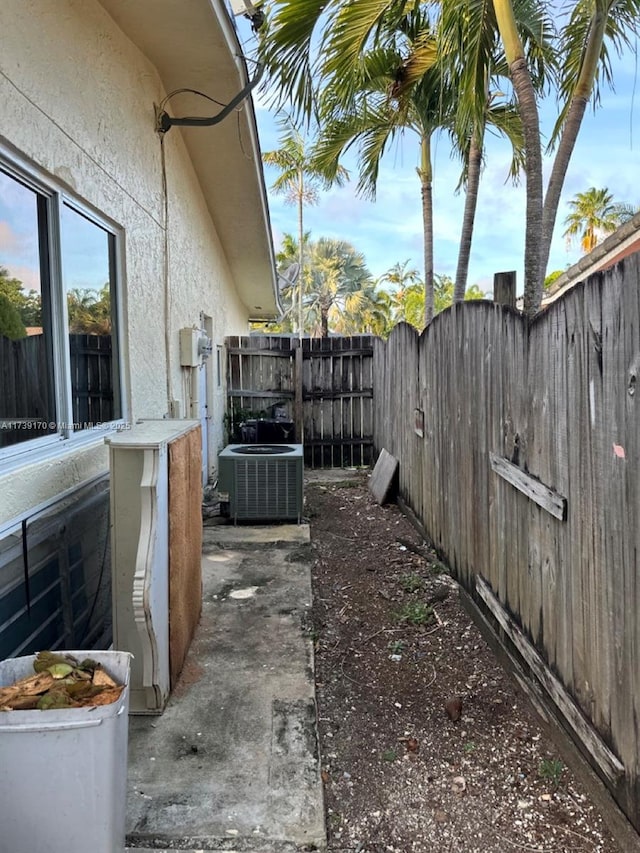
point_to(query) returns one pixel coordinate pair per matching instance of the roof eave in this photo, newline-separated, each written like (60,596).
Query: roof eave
(195,45)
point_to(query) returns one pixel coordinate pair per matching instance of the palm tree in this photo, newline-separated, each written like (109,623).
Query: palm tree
(378,66)
(390,91)
(400,275)
(288,269)
(406,299)
(504,117)
(408,304)
(308,47)
(369,77)
(594,213)
(299,181)
(468,40)
(372,317)
(584,59)
(528,109)
(592,26)
(581,48)
(338,285)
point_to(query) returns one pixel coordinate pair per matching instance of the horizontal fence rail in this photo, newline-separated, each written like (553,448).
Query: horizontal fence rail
(519,450)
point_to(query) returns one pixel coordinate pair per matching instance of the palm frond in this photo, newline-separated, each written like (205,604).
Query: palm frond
(351,30)
(373,73)
(505,118)
(373,145)
(539,39)
(422,57)
(621,26)
(286,51)
(468,44)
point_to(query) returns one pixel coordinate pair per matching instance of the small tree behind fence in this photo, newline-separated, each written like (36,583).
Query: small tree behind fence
(519,450)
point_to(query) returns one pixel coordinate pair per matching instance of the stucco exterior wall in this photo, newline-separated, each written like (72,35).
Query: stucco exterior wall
(78,102)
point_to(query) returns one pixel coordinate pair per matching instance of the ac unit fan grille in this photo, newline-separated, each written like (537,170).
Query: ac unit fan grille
(266,488)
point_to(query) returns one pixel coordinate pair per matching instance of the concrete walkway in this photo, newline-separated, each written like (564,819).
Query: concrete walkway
(232,764)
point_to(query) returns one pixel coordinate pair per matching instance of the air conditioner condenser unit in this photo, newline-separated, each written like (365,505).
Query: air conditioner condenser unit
(261,482)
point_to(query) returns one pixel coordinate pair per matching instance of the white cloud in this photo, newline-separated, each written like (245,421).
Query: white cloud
(9,240)
(29,276)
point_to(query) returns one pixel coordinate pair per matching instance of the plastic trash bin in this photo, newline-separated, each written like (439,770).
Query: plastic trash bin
(63,773)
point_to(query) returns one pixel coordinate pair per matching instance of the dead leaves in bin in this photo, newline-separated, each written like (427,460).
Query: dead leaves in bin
(60,681)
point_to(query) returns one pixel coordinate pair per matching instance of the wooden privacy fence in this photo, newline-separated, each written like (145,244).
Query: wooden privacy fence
(519,450)
(92,376)
(325,387)
(25,378)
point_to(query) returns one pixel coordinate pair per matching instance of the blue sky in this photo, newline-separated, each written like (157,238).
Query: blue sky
(18,232)
(84,245)
(390,230)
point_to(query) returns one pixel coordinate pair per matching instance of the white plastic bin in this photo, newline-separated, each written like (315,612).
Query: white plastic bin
(63,773)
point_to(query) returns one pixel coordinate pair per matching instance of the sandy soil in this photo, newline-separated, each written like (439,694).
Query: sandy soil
(426,743)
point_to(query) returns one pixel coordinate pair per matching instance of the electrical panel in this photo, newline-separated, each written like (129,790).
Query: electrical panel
(194,347)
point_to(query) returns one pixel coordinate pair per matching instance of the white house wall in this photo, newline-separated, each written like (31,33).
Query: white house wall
(78,102)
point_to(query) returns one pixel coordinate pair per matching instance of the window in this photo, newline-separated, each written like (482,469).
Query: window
(59,361)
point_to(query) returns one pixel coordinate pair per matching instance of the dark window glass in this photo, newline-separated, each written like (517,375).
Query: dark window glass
(88,269)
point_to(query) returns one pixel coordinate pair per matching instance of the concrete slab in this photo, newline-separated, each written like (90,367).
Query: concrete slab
(274,847)
(248,536)
(232,764)
(335,475)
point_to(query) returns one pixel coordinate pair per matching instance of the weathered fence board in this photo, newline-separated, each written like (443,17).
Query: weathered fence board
(540,494)
(333,386)
(26,379)
(607,761)
(557,402)
(92,378)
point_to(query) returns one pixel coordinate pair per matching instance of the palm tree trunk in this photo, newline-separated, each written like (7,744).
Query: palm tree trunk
(575,114)
(426,178)
(528,109)
(300,251)
(324,322)
(468,219)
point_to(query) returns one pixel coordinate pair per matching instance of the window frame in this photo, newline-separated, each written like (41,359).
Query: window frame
(53,195)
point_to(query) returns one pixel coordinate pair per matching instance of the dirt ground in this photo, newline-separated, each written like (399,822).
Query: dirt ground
(426,743)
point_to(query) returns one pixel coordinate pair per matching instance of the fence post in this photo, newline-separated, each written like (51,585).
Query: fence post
(504,288)
(297,379)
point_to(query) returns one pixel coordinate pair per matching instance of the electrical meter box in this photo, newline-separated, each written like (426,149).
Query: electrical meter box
(189,348)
